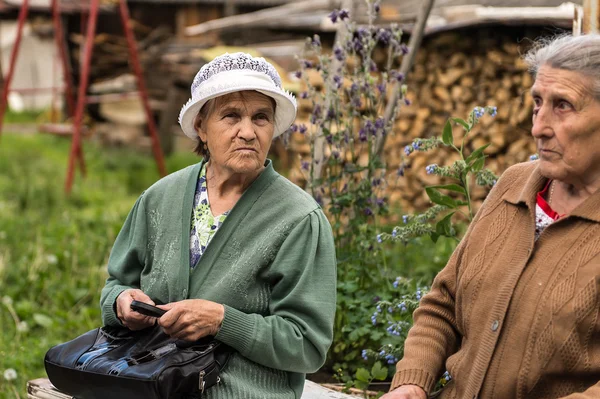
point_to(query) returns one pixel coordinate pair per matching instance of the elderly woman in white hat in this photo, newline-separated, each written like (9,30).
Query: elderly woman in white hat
(230,247)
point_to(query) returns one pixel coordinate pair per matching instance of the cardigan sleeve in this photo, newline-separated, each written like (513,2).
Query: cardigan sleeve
(590,393)
(126,261)
(297,333)
(435,336)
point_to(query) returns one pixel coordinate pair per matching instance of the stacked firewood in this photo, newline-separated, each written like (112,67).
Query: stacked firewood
(111,58)
(453,73)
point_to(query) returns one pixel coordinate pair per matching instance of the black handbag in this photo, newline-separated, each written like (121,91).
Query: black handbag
(117,363)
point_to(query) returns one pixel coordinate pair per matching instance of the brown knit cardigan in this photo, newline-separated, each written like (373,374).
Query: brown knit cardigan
(509,317)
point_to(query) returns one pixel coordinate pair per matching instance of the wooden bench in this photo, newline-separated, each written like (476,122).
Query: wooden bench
(43,389)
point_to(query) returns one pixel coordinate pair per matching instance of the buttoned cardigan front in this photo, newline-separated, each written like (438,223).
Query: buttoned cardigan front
(510,317)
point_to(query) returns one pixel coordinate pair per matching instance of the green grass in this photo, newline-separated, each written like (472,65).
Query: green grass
(54,248)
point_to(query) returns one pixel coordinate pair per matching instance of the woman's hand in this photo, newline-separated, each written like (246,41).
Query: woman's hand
(192,319)
(406,392)
(130,318)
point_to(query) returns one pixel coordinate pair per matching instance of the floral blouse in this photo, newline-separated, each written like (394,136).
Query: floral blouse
(204,224)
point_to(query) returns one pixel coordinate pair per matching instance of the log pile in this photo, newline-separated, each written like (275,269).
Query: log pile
(453,73)
(110,57)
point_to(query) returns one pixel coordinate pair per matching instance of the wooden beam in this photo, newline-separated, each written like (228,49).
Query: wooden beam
(252,18)
(591,16)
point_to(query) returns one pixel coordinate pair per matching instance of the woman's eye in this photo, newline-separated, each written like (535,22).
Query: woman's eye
(564,105)
(262,116)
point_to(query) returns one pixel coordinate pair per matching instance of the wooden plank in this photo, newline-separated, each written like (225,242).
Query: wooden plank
(43,389)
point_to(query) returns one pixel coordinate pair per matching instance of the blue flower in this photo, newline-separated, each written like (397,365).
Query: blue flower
(394,233)
(304,165)
(339,53)
(343,14)
(379,123)
(378,309)
(407,101)
(362,134)
(390,309)
(402,307)
(404,49)
(307,64)
(534,157)
(304,95)
(493,111)
(384,36)
(338,81)
(364,354)
(376,7)
(379,239)
(400,171)
(479,112)
(418,295)
(294,128)
(431,169)
(405,218)
(368,211)
(298,74)
(302,128)
(316,40)
(333,16)
(416,145)
(395,283)
(408,150)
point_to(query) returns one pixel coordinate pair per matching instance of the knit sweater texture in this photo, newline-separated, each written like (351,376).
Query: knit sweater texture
(510,317)
(271,264)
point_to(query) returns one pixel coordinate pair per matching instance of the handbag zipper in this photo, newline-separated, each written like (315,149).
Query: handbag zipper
(201,382)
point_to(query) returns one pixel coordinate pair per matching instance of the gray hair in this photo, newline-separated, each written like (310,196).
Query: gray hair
(572,53)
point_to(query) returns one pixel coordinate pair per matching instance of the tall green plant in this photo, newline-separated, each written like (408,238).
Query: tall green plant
(349,180)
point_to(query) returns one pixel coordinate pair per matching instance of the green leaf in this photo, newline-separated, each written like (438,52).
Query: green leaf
(43,320)
(363,375)
(452,187)
(447,135)
(379,372)
(362,385)
(477,153)
(438,198)
(434,236)
(444,226)
(461,122)
(478,165)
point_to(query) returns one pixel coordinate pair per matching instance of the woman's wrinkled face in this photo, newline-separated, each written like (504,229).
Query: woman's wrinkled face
(566,126)
(239,131)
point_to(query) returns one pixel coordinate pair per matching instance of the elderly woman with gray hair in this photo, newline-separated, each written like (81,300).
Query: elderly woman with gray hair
(229,247)
(515,312)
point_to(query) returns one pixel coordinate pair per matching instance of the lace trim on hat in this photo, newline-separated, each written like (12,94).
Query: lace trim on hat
(235,61)
(230,87)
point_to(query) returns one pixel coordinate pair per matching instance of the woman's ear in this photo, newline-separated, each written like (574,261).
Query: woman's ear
(198,127)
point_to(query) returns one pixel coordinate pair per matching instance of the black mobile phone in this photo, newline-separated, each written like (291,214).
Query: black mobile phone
(146,309)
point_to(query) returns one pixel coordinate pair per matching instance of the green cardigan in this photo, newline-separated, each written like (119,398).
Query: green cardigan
(271,264)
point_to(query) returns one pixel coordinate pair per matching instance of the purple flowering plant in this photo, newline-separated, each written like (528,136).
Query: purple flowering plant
(395,314)
(345,174)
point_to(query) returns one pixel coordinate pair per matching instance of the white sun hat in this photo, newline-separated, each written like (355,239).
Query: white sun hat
(229,73)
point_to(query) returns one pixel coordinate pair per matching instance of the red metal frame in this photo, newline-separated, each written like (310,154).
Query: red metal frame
(83,83)
(81,98)
(13,59)
(139,74)
(88,22)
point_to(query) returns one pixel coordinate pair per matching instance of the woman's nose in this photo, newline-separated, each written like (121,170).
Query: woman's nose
(246,130)
(541,123)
